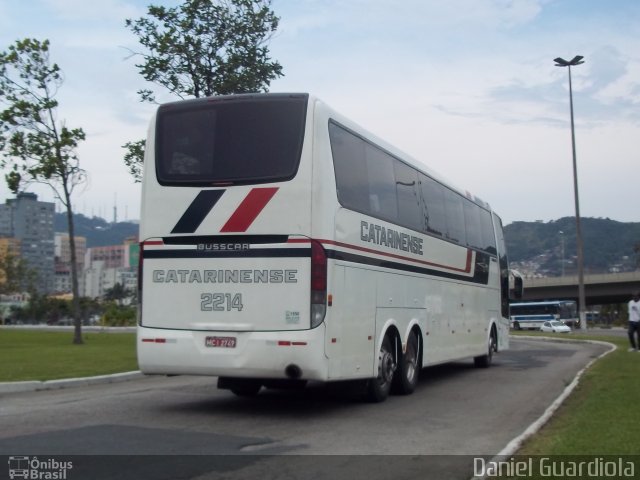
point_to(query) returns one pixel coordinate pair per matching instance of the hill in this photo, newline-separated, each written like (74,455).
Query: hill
(98,231)
(534,247)
(608,245)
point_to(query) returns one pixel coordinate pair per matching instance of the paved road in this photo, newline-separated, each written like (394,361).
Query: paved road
(456,410)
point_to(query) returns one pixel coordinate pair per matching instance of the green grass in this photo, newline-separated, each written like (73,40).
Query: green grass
(601,416)
(41,355)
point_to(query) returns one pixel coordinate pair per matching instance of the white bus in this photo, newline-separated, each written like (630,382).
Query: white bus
(531,315)
(281,243)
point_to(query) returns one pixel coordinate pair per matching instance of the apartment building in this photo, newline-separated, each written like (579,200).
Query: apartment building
(63,261)
(30,221)
(106,266)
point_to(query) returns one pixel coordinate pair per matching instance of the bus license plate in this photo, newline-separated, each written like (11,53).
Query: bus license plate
(222,342)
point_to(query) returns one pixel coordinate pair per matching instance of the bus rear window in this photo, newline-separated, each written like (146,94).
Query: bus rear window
(236,140)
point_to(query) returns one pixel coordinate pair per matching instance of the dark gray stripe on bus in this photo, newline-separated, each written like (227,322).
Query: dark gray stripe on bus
(481,275)
(197,211)
(253,253)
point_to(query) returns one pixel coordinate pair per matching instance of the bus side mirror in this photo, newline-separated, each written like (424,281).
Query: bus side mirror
(516,285)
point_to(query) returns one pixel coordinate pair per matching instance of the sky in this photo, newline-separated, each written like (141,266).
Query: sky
(467,87)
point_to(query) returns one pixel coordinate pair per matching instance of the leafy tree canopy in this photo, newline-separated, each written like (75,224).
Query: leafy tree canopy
(203,48)
(35,146)
(15,274)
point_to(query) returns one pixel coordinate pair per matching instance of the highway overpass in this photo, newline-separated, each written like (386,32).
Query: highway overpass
(600,289)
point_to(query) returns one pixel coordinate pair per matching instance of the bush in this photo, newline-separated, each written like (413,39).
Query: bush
(119,316)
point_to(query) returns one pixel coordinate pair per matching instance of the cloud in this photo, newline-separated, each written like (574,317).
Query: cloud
(385,16)
(603,91)
(81,10)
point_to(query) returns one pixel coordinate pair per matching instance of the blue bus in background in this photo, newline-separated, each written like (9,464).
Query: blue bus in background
(531,315)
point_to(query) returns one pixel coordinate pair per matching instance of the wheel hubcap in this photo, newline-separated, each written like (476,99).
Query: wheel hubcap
(387,366)
(411,362)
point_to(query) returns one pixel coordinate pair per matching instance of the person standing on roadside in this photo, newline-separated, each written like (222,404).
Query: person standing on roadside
(634,322)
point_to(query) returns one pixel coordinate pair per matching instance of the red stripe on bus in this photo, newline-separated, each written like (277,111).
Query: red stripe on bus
(466,269)
(249,209)
(152,242)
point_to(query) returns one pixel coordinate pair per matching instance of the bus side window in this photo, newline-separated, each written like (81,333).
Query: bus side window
(434,212)
(381,183)
(488,235)
(472,223)
(408,194)
(455,217)
(350,169)
(374,203)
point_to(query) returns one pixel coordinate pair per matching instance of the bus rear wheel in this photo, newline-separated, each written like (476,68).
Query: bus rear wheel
(406,378)
(378,388)
(484,361)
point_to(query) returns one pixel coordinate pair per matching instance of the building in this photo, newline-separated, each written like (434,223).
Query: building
(106,266)
(63,261)
(31,222)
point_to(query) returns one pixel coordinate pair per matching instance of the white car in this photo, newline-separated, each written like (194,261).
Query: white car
(555,326)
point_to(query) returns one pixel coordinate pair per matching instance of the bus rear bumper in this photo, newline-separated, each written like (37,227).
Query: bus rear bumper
(269,355)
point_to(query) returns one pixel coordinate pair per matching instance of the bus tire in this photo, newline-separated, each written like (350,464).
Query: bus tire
(484,361)
(378,388)
(406,377)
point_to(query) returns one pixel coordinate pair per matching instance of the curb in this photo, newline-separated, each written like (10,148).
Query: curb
(34,386)
(70,328)
(514,445)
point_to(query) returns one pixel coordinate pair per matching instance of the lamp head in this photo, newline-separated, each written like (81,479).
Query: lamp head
(561,62)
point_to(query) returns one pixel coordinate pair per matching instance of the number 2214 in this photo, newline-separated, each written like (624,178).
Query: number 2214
(219,302)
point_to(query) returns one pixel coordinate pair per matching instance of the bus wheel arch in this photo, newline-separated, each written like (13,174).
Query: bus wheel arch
(485,361)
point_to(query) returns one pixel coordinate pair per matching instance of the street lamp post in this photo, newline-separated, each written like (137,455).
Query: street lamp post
(561,62)
(561,233)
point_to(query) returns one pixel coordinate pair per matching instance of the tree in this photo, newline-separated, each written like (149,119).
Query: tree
(118,315)
(203,48)
(36,147)
(118,293)
(15,275)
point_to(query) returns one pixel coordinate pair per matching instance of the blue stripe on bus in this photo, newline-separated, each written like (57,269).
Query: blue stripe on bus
(533,317)
(197,211)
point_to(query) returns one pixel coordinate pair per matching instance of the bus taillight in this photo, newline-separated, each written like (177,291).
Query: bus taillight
(140,256)
(318,283)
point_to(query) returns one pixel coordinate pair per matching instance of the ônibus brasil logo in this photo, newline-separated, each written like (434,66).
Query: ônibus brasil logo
(34,469)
